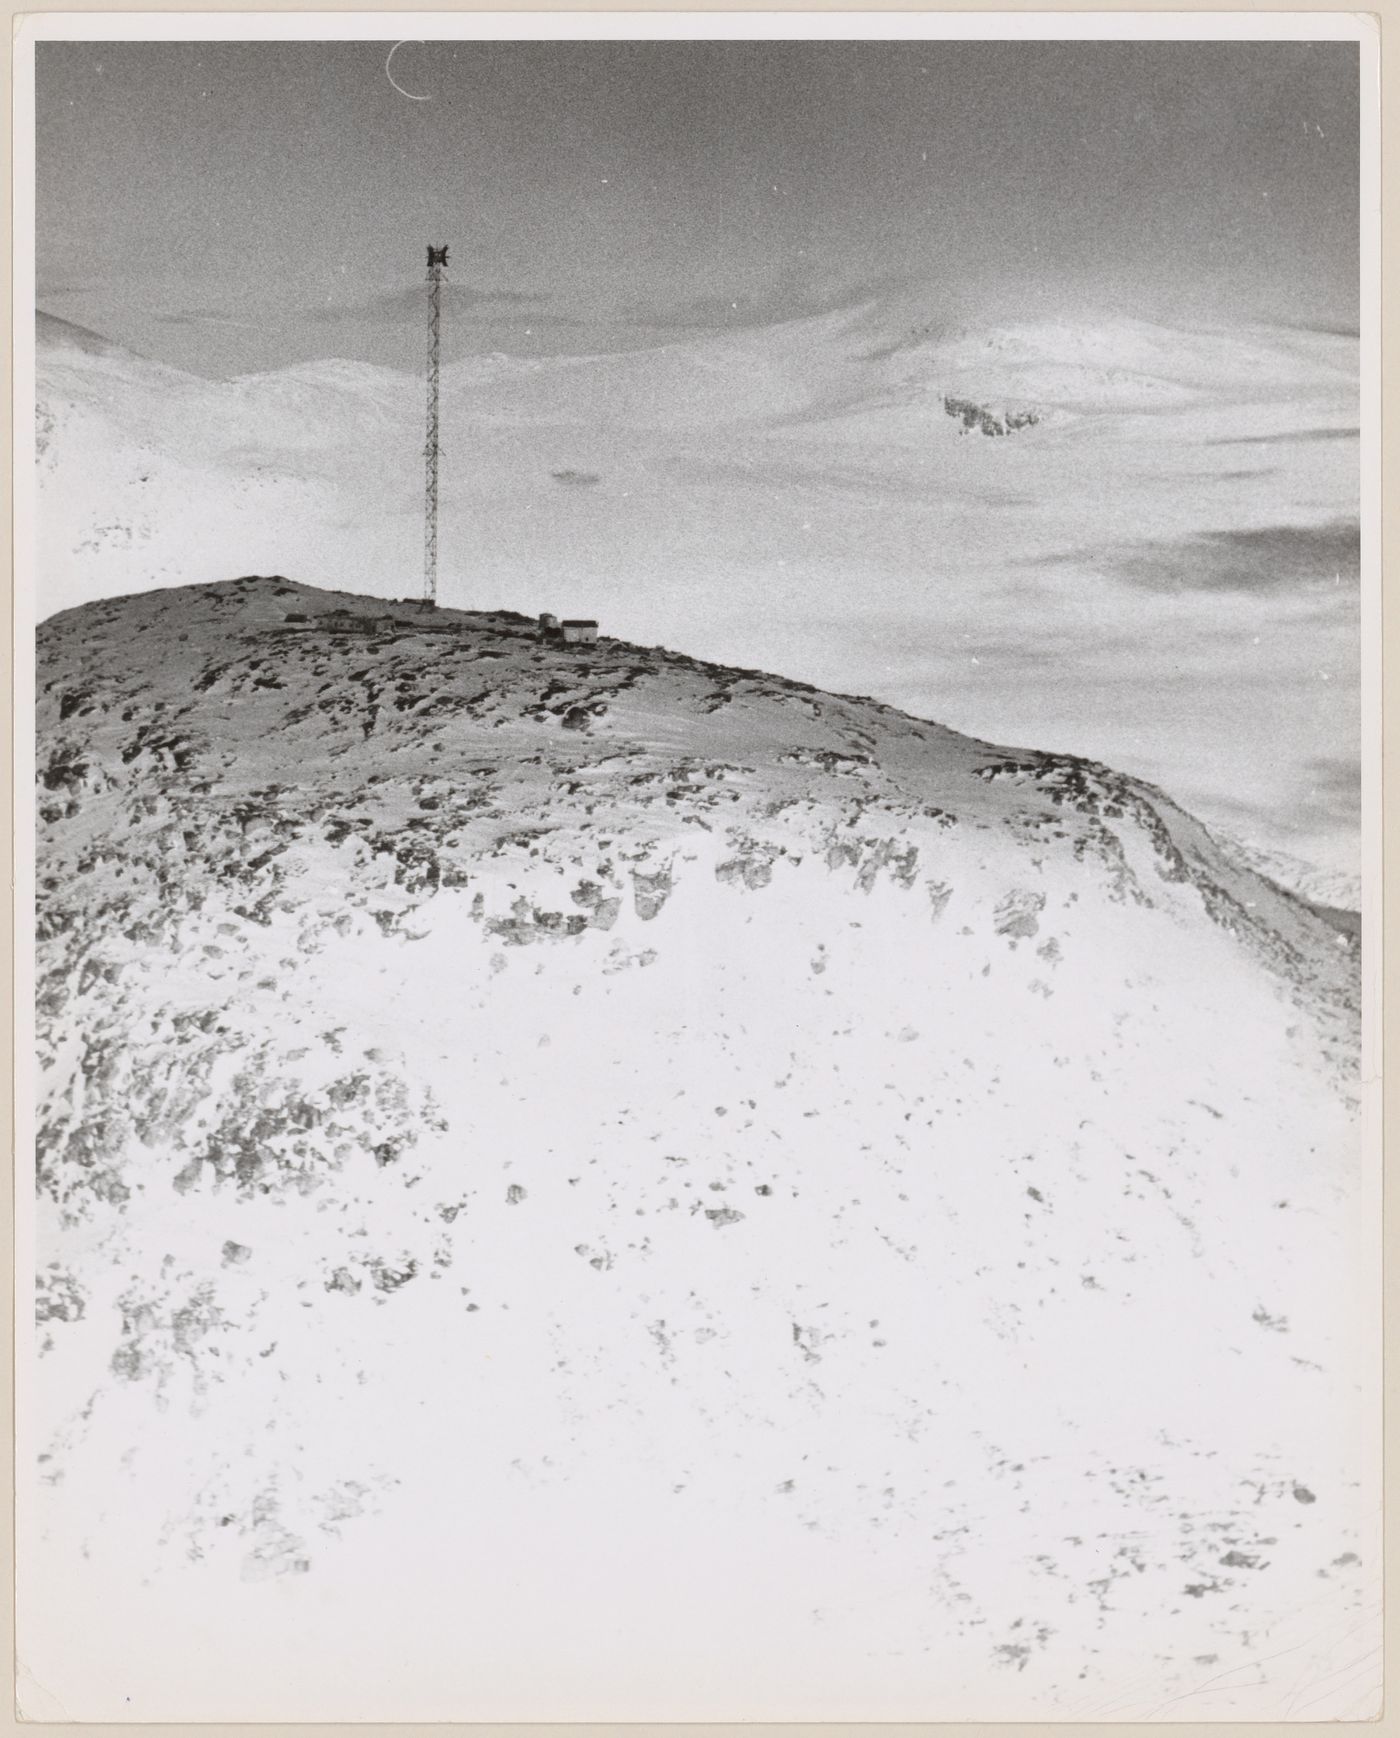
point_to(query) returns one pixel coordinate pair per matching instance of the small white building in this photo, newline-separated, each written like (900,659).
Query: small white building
(579,633)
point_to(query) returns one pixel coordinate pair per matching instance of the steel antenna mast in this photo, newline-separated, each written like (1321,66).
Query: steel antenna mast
(437,276)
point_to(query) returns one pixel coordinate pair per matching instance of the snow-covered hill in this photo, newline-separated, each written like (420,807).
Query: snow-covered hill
(573,1167)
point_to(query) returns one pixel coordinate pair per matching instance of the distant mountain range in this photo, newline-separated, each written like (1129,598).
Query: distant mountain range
(817,496)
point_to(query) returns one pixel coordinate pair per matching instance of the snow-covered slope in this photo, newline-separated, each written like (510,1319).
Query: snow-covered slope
(1136,364)
(1331,892)
(567,1168)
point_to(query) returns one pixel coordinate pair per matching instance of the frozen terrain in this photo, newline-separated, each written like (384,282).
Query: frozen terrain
(584,1183)
(1155,565)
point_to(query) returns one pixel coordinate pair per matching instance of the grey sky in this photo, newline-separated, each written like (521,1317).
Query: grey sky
(231,206)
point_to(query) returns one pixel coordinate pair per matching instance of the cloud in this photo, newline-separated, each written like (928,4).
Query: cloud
(1323,328)
(392,306)
(791,296)
(1300,434)
(1324,803)
(576,479)
(1334,788)
(205,317)
(1266,558)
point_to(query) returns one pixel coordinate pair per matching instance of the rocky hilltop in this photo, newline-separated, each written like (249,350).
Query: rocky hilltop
(551,1106)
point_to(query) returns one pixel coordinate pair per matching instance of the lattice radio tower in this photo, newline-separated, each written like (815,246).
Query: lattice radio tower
(437,277)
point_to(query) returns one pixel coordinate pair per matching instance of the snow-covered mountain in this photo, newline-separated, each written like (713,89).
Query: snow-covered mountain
(563,1167)
(1332,892)
(149,476)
